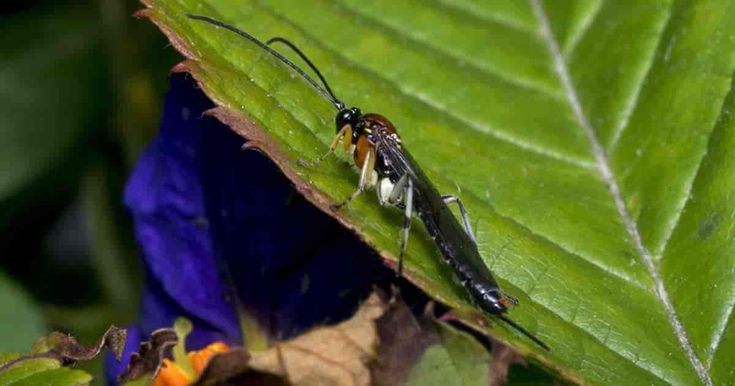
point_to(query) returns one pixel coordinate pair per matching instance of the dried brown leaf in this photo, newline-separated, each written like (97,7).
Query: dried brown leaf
(336,355)
(224,367)
(147,361)
(403,341)
(379,345)
(502,357)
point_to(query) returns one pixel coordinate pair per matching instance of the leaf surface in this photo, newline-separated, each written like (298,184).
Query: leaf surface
(590,140)
(17,310)
(458,359)
(42,371)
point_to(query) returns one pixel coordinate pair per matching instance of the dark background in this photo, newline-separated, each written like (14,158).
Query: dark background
(82,87)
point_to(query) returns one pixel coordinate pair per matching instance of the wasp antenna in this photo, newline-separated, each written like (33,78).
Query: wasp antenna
(523,331)
(303,56)
(329,95)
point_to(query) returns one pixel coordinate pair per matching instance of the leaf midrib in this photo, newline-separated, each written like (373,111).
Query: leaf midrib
(610,181)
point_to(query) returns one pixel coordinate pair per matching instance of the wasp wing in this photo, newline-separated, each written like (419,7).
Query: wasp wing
(457,248)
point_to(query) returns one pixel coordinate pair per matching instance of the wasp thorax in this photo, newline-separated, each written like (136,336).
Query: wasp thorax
(376,122)
(347,117)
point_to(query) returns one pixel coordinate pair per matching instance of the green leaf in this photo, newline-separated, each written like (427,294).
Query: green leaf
(27,368)
(9,356)
(457,360)
(17,310)
(42,371)
(591,142)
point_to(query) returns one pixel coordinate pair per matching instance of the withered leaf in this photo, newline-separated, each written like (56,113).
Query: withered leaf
(403,340)
(67,350)
(426,350)
(502,358)
(223,367)
(147,361)
(334,355)
(382,344)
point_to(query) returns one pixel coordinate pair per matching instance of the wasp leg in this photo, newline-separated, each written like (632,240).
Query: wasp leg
(407,213)
(403,188)
(342,133)
(399,189)
(391,194)
(368,166)
(448,199)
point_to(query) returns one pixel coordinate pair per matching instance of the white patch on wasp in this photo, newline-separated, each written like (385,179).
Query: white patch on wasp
(384,190)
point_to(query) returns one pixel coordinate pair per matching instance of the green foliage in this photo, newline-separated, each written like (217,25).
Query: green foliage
(42,371)
(21,321)
(591,142)
(458,359)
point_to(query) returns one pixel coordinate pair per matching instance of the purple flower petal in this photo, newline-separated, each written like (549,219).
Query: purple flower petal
(215,222)
(165,197)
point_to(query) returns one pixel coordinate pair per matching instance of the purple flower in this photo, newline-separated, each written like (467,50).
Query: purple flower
(214,221)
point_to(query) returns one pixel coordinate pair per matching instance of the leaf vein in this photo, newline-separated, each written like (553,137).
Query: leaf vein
(647,369)
(586,25)
(443,110)
(676,220)
(715,344)
(687,198)
(630,107)
(483,68)
(609,178)
(489,18)
(606,269)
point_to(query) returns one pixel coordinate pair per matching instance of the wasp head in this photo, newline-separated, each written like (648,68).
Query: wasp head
(347,117)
